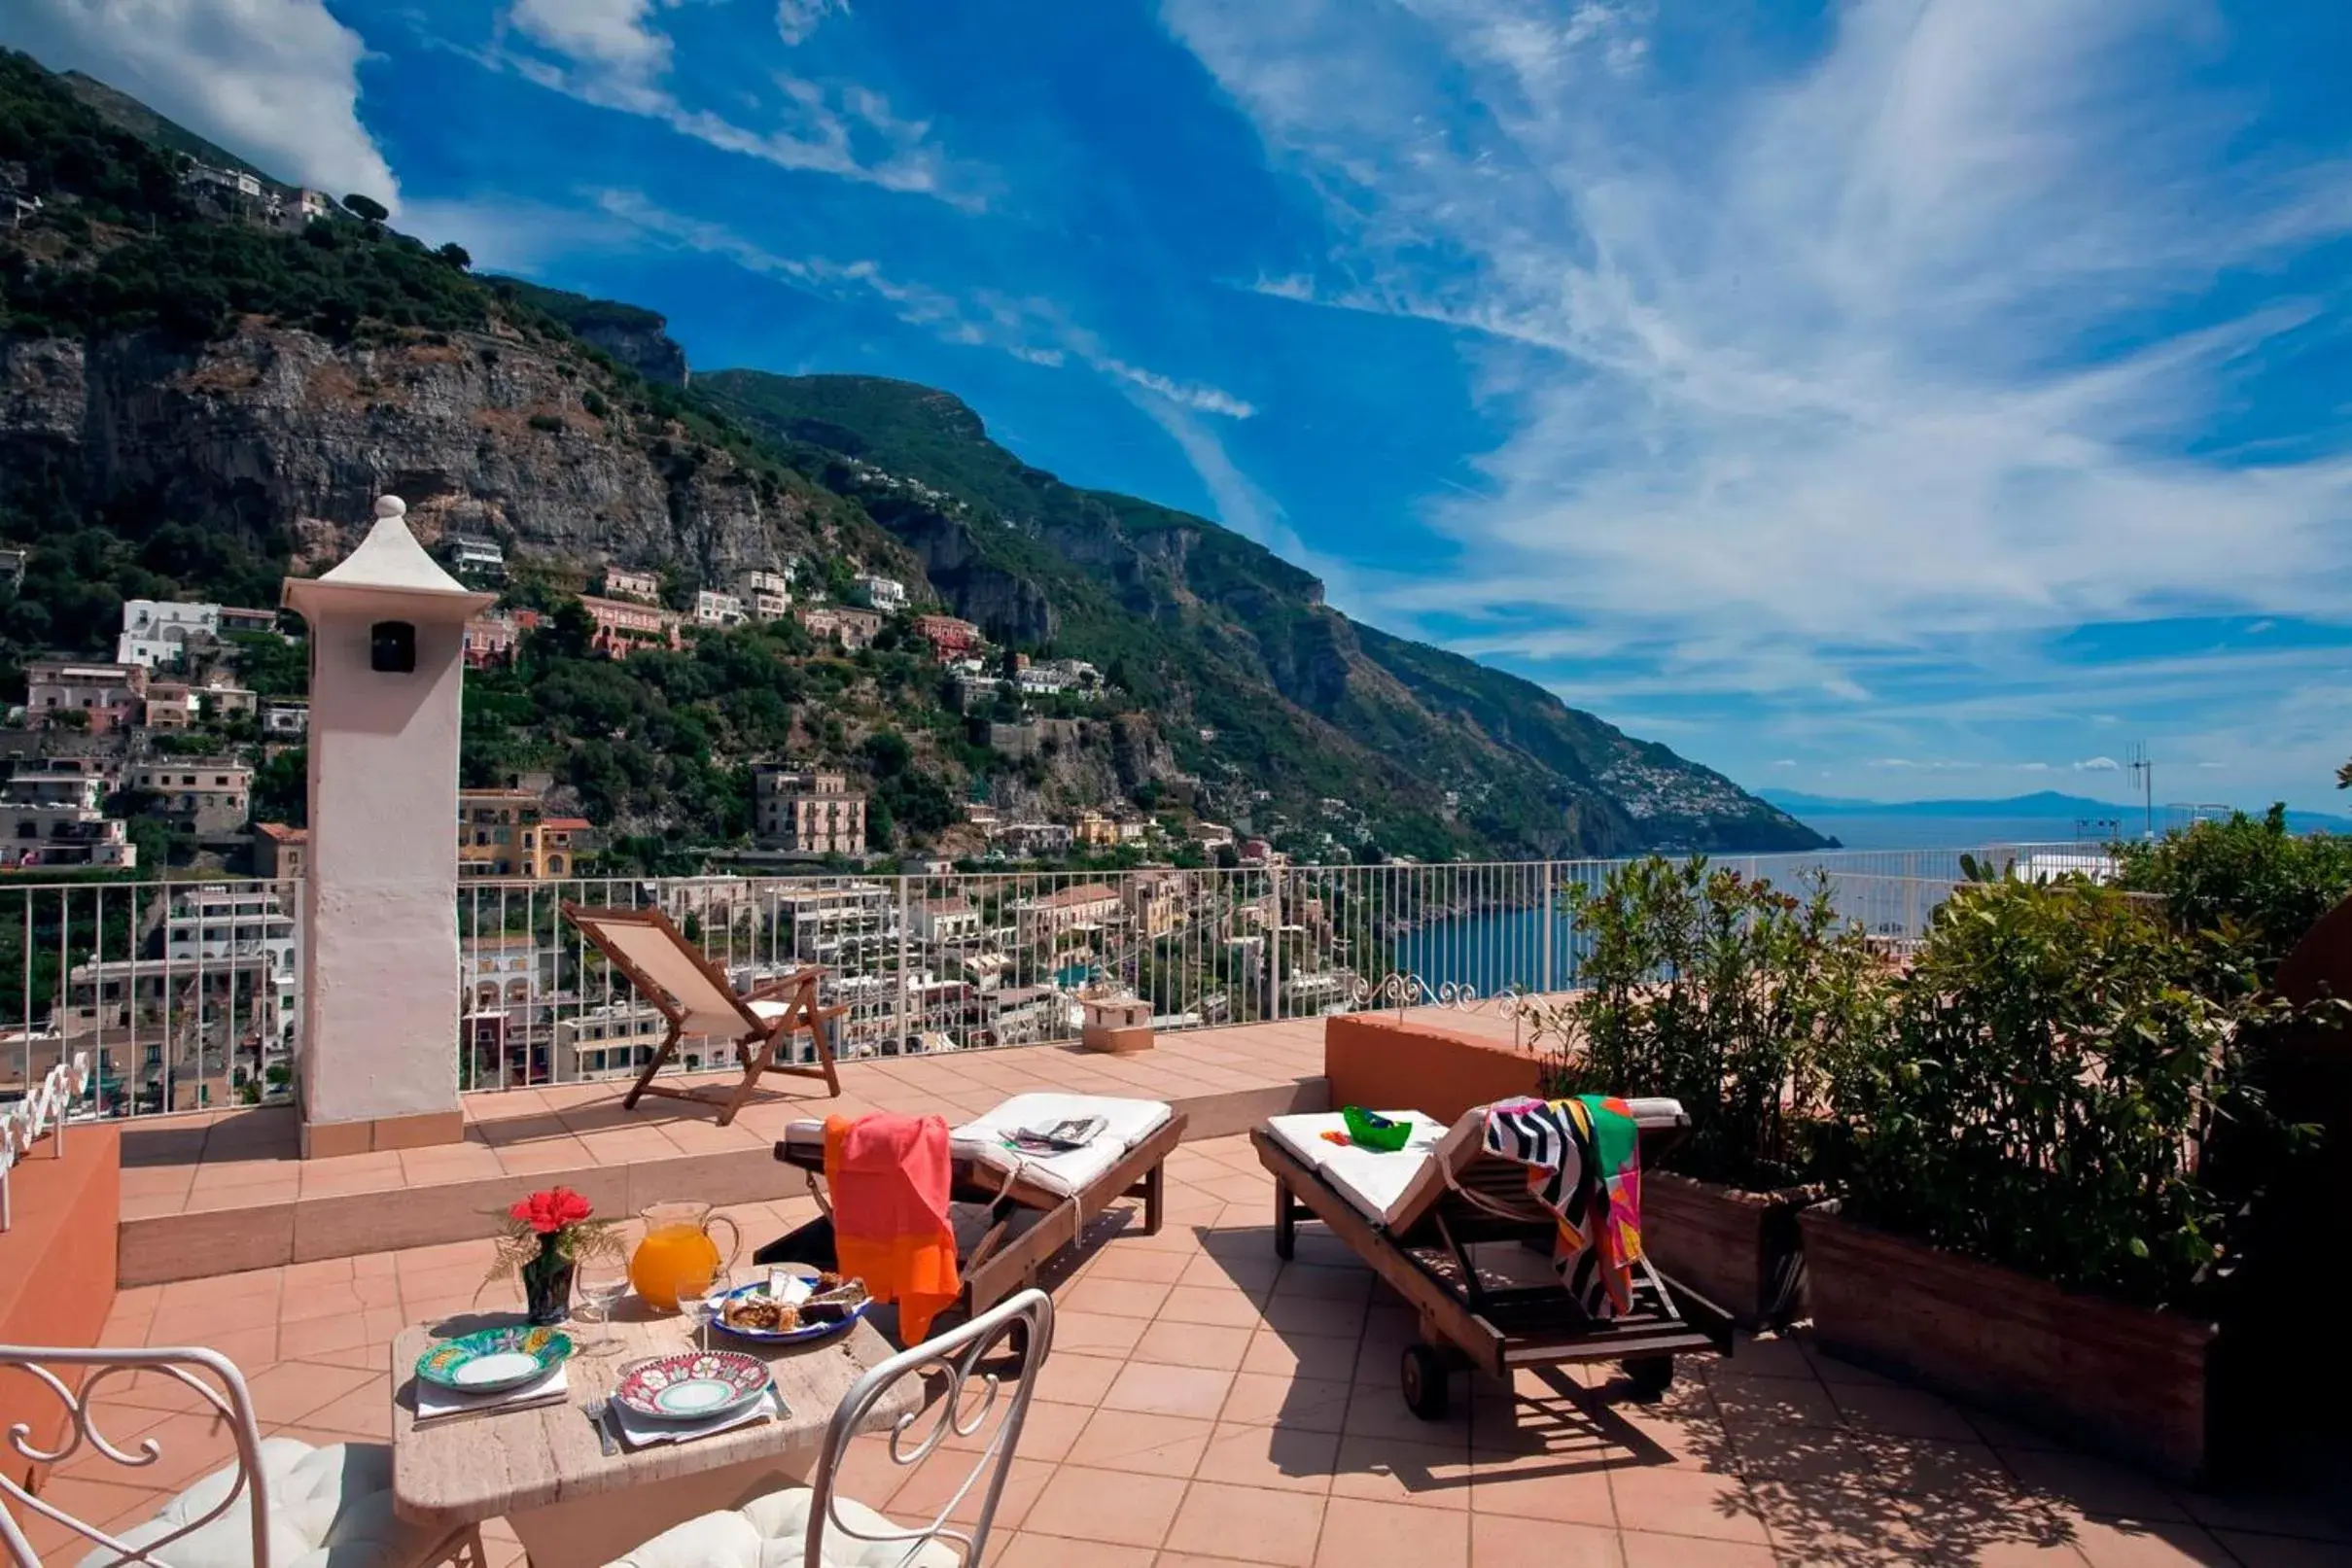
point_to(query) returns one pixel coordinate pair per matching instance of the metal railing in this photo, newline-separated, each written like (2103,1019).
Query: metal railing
(186,996)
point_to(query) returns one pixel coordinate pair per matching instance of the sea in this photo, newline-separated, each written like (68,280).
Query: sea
(1491,951)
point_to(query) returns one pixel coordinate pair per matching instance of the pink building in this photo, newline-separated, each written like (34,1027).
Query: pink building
(493,639)
(622,628)
(949,638)
(110,695)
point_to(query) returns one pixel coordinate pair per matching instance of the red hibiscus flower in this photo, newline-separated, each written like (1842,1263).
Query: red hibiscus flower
(551,1211)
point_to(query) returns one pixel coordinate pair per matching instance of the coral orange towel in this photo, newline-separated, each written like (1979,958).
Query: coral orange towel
(890,1181)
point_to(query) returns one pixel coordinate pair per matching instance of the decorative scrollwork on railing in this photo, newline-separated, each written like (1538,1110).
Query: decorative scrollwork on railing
(227,1401)
(1401,991)
(22,1124)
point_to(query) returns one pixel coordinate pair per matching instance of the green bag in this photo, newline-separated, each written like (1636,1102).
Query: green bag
(1374,1131)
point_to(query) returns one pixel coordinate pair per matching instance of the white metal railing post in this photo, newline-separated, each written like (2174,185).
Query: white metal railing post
(1549,922)
(1274,948)
(907,915)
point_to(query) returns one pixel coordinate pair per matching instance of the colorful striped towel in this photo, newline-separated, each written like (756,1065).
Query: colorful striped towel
(1584,1160)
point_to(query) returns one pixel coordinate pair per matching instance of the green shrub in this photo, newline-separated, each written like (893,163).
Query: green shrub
(2247,879)
(2062,1072)
(1727,994)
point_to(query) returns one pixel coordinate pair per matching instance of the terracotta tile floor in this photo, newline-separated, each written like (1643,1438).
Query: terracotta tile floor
(1205,1406)
(243,1157)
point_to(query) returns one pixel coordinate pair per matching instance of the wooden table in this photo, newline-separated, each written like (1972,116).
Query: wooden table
(544,1470)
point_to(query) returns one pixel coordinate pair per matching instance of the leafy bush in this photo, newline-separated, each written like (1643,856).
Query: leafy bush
(2056,1091)
(1727,994)
(2250,880)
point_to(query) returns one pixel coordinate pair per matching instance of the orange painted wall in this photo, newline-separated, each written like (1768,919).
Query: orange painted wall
(57,1266)
(1382,1065)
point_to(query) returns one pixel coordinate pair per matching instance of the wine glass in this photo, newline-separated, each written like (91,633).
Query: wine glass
(704,1307)
(603,1282)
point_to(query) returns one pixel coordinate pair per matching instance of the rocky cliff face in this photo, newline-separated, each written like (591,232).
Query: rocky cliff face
(489,434)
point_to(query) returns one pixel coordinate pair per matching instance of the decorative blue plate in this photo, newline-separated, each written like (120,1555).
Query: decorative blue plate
(491,1359)
(802,1335)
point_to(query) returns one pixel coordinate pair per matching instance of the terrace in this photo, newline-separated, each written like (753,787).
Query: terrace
(1204,1401)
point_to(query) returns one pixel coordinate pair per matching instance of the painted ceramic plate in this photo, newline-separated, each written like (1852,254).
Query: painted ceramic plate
(801,1335)
(491,1359)
(693,1385)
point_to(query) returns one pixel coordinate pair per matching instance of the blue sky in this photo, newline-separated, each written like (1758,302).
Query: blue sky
(1894,399)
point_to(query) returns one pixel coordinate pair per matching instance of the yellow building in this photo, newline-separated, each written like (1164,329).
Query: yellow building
(508,833)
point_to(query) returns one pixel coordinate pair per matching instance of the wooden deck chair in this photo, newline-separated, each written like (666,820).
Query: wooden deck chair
(695,996)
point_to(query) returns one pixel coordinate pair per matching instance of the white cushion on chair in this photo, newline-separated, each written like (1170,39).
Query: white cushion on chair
(771,1531)
(329,1508)
(1127,1123)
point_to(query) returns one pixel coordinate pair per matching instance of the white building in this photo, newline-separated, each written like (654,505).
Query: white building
(471,552)
(210,925)
(159,631)
(53,816)
(286,715)
(206,797)
(766,595)
(717,610)
(886,594)
(945,919)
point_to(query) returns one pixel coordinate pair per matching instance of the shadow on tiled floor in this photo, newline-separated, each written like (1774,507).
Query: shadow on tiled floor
(1207,1403)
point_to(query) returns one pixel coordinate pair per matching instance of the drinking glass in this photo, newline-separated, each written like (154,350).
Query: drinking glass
(705,1306)
(603,1283)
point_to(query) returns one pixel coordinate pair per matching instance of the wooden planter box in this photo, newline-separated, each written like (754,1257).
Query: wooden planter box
(2134,1382)
(1742,1251)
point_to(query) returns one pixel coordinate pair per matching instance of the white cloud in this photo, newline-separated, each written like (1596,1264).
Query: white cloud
(275,82)
(609,55)
(1798,369)
(1204,399)
(615,33)
(795,19)
(2098,764)
(1031,330)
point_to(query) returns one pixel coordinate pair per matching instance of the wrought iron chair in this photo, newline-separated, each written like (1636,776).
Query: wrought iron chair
(303,1506)
(830,1530)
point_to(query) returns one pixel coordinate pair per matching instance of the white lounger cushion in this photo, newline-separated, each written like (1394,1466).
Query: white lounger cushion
(772,1532)
(1127,1123)
(1386,1188)
(329,1508)
(1375,1183)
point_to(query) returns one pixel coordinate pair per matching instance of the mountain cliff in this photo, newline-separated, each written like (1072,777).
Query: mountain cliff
(197,396)
(1209,626)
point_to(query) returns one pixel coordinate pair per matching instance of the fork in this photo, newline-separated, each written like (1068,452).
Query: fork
(598,1412)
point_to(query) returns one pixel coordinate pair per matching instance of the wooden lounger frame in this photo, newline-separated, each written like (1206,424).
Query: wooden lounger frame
(1464,1321)
(756,1047)
(1002,1264)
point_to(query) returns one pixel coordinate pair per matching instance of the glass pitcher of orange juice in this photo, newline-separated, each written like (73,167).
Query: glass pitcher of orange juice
(678,1256)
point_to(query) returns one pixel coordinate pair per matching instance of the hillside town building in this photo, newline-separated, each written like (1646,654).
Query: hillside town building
(808,812)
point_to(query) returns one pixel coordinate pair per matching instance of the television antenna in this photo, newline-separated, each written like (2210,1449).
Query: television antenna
(2143,777)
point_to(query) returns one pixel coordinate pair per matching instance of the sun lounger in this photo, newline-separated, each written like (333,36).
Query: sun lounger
(696,996)
(1454,1232)
(1014,1211)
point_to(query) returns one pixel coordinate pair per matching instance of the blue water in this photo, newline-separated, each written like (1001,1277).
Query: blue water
(1490,952)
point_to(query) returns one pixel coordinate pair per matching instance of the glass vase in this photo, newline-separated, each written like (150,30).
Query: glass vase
(547,1284)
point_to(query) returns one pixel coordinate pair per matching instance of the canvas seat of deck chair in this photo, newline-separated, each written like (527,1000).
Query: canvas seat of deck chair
(1457,1233)
(695,995)
(1012,1211)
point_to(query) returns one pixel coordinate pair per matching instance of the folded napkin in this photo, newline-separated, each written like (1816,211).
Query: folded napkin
(639,1431)
(434,1403)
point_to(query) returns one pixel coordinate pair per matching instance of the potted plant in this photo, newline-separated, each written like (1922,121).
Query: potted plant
(546,1235)
(2048,1160)
(1729,995)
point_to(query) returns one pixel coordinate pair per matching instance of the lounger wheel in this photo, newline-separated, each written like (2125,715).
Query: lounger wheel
(1652,1375)
(1424,1376)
